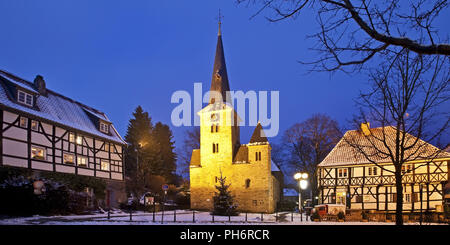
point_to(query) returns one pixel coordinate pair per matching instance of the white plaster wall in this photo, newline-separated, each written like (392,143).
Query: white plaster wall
(15,148)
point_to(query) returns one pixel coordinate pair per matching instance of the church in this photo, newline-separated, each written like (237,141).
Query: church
(255,180)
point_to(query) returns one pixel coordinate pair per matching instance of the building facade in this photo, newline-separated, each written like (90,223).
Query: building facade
(255,180)
(45,131)
(347,177)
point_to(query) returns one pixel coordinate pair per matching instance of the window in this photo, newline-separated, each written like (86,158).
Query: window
(258,156)
(407,197)
(393,197)
(214,128)
(247,183)
(342,173)
(372,171)
(345,172)
(407,168)
(215,147)
(24,98)
(81,161)
(34,125)
(68,158)
(71,137)
(79,140)
(104,165)
(104,127)
(37,153)
(23,122)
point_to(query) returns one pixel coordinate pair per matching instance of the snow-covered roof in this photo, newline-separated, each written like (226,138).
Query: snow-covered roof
(59,109)
(289,192)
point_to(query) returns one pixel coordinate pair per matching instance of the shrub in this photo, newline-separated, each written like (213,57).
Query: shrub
(315,215)
(364,215)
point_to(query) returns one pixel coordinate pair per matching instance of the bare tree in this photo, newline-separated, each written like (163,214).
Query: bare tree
(408,102)
(308,143)
(353,32)
(191,141)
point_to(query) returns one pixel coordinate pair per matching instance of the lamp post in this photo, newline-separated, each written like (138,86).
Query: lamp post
(301,177)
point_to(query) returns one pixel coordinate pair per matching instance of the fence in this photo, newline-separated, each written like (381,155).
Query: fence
(192,216)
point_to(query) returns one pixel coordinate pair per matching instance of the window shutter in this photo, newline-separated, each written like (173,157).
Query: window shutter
(394,197)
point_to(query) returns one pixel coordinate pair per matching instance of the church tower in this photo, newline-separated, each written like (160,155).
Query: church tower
(246,167)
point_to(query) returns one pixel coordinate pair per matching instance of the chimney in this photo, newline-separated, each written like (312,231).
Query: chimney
(39,83)
(365,128)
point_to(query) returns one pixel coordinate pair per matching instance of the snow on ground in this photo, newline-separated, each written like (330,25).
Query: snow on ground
(183,217)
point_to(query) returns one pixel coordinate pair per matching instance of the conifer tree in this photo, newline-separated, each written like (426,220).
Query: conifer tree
(163,135)
(142,154)
(223,200)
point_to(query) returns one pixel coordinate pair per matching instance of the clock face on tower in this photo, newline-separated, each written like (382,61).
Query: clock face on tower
(214,117)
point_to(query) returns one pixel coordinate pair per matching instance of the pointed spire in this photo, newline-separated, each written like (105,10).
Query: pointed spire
(219,81)
(258,135)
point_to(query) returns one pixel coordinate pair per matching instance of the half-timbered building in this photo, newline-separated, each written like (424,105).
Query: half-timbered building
(46,131)
(346,177)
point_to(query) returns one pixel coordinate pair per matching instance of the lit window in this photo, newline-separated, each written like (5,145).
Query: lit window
(104,128)
(81,161)
(34,125)
(345,172)
(23,122)
(37,153)
(25,98)
(79,140)
(68,158)
(340,172)
(71,137)
(104,165)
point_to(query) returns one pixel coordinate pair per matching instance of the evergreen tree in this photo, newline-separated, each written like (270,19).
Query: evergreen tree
(223,200)
(142,154)
(163,135)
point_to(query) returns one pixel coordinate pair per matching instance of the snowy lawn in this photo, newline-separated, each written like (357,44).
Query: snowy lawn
(183,217)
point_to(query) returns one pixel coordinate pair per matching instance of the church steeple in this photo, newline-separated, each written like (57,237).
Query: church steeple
(219,81)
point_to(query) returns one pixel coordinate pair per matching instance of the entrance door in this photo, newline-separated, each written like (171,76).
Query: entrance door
(341,198)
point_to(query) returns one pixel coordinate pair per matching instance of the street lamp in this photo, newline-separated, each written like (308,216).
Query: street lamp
(301,177)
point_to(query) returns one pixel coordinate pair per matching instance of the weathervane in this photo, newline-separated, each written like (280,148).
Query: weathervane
(219,18)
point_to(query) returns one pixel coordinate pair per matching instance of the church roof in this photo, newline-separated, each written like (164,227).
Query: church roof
(345,154)
(219,81)
(195,158)
(258,135)
(241,155)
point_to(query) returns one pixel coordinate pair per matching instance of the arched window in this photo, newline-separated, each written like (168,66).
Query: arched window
(247,183)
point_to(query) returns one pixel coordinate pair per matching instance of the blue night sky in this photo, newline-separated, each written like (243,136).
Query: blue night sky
(116,55)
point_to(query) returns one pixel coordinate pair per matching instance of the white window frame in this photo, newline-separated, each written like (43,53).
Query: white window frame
(79,140)
(37,125)
(26,96)
(71,154)
(102,161)
(104,127)
(85,162)
(38,148)
(25,120)
(72,138)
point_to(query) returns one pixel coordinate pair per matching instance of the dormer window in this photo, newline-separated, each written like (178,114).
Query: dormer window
(104,127)
(24,98)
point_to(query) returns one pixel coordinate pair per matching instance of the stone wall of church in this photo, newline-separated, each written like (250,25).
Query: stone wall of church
(261,194)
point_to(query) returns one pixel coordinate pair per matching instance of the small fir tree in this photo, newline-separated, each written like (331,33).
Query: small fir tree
(223,200)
